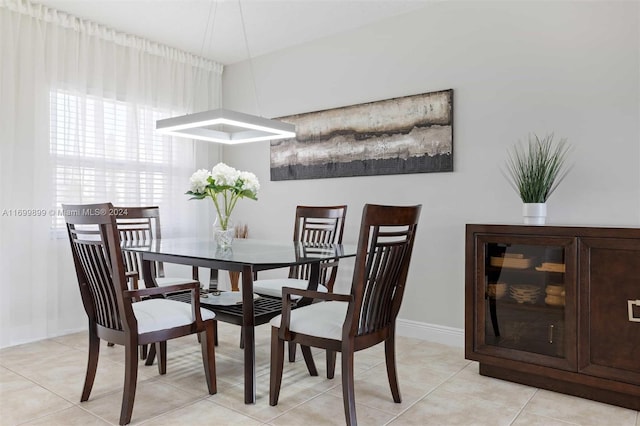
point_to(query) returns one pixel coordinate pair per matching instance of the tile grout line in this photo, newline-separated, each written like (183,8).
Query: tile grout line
(80,405)
(539,415)
(326,391)
(190,403)
(523,407)
(313,394)
(42,386)
(423,397)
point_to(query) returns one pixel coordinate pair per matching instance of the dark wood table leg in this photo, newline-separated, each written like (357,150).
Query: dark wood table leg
(314,277)
(213,286)
(248,332)
(148,276)
(213,279)
(147,273)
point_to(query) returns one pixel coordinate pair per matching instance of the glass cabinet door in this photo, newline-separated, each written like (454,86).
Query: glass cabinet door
(528,289)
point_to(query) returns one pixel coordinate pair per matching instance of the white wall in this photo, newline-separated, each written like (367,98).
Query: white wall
(572,68)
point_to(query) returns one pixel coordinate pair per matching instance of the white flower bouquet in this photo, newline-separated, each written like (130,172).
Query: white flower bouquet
(225,186)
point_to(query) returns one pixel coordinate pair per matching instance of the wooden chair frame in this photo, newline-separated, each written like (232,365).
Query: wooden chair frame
(140,225)
(108,301)
(321,225)
(385,245)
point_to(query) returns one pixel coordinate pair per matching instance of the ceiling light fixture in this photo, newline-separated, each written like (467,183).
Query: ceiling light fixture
(222,125)
(234,127)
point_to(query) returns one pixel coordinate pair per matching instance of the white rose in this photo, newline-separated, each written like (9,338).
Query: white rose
(224,175)
(199,181)
(249,182)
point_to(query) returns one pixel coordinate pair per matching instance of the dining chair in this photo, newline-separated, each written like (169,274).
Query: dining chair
(128,317)
(352,322)
(139,225)
(313,224)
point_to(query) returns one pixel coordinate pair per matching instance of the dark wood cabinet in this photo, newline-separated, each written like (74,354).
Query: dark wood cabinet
(609,293)
(556,307)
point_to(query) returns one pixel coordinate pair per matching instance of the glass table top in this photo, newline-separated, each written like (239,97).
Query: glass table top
(244,251)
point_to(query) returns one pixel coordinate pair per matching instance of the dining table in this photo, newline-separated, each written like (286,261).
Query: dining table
(247,256)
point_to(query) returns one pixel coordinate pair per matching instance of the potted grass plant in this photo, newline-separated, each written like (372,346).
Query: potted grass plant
(535,170)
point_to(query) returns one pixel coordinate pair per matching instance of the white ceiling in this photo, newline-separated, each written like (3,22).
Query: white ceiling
(270,24)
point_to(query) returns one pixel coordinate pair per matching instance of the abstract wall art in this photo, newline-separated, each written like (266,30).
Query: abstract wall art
(411,134)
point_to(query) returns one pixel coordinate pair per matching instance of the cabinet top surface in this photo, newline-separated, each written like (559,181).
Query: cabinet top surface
(558,229)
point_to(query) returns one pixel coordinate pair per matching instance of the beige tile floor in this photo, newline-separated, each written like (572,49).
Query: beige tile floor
(40,384)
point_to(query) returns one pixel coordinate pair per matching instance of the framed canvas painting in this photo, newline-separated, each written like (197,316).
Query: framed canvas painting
(411,134)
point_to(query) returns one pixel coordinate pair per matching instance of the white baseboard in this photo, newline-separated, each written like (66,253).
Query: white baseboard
(431,332)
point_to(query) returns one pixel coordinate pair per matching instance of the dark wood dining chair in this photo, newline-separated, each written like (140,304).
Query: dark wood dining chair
(348,323)
(140,225)
(128,317)
(313,224)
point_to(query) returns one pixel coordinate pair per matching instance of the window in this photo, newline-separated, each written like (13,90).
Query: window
(106,150)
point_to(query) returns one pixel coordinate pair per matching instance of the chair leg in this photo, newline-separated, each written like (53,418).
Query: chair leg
(348,386)
(161,350)
(207,343)
(151,356)
(92,365)
(130,381)
(308,359)
(331,364)
(241,338)
(144,351)
(292,352)
(390,358)
(277,363)
(215,329)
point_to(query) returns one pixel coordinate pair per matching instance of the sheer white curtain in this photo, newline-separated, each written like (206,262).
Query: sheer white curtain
(78,104)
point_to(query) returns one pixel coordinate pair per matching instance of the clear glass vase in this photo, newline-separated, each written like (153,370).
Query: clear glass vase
(223,237)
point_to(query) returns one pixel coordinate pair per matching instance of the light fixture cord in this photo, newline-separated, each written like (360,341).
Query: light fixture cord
(211,18)
(246,44)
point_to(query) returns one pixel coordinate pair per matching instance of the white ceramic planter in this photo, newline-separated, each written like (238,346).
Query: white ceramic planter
(534,213)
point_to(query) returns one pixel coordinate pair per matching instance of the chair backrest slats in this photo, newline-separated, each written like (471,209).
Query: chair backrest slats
(321,225)
(382,262)
(91,252)
(138,225)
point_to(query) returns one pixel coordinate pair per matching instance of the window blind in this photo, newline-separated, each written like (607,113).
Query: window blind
(106,150)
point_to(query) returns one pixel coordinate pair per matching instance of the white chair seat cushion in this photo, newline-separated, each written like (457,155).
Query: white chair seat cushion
(324,319)
(162,314)
(165,281)
(273,287)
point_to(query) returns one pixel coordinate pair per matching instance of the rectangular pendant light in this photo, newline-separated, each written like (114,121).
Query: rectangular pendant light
(225,126)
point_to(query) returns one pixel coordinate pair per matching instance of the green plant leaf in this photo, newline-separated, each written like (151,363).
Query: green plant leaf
(535,171)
